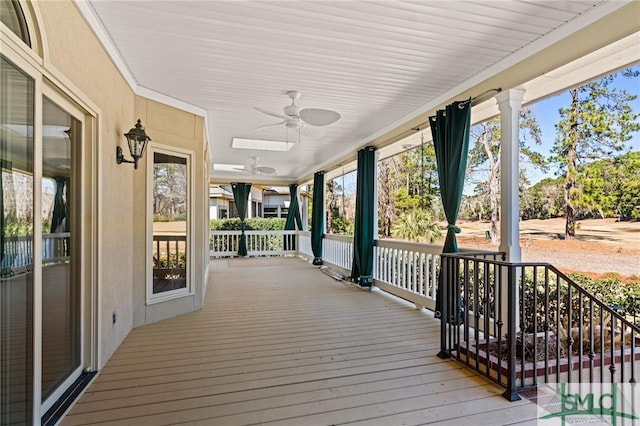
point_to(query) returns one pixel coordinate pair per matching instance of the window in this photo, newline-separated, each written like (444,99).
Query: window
(233,211)
(170,208)
(270,212)
(13,18)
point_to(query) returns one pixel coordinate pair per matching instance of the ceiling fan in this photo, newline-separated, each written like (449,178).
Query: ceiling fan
(299,120)
(256,169)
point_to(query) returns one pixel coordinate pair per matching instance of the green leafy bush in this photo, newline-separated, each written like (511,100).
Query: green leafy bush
(251,224)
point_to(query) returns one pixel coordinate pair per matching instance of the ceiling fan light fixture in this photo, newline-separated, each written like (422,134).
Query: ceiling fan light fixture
(292,135)
(300,120)
(255,169)
(292,123)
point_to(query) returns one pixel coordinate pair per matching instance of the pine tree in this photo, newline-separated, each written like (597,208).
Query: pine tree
(598,122)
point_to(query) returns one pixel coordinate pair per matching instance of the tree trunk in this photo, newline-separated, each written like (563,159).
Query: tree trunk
(571,181)
(493,200)
(494,172)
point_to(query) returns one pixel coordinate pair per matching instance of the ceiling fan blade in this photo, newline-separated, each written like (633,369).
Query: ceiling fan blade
(312,132)
(264,169)
(319,117)
(270,125)
(273,114)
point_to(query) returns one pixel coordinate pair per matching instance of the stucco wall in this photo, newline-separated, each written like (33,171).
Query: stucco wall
(74,55)
(170,126)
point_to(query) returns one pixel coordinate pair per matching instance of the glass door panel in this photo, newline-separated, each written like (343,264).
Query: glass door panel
(16,244)
(61,343)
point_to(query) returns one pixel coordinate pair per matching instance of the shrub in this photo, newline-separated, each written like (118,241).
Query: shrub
(251,224)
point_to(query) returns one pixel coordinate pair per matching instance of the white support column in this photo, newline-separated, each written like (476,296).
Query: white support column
(509,103)
(304,208)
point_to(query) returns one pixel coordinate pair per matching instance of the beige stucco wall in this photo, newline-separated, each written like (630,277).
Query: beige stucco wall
(75,56)
(170,126)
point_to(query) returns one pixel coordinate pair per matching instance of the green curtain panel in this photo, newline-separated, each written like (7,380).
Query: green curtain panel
(241,197)
(293,216)
(58,223)
(317,217)
(450,129)
(362,267)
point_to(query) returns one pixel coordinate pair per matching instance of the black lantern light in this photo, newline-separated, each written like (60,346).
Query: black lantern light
(137,140)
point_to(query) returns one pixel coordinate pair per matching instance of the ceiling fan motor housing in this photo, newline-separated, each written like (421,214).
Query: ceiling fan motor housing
(292,110)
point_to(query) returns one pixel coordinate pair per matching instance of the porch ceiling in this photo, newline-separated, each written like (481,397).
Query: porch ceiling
(379,64)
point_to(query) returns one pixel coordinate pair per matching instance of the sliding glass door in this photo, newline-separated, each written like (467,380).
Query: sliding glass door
(40,287)
(61,348)
(16,244)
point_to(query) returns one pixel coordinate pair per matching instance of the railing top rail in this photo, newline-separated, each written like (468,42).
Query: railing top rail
(408,245)
(274,232)
(228,232)
(256,232)
(161,237)
(337,237)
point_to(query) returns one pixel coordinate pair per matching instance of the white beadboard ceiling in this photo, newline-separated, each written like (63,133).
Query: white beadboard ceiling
(377,63)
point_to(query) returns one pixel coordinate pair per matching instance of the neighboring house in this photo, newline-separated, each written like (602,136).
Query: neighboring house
(222,206)
(264,202)
(276,202)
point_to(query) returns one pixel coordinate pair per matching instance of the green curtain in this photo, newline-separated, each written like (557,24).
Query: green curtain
(293,216)
(362,267)
(240,197)
(317,217)
(450,129)
(59,209)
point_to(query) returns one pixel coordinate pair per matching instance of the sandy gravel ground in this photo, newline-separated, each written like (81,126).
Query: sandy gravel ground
(601,246)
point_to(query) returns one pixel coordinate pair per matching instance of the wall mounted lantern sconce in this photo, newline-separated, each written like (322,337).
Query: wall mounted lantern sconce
(137,140)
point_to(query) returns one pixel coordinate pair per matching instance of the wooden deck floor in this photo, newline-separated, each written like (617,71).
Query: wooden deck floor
(280,343)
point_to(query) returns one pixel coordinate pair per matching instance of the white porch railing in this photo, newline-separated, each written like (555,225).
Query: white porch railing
(407,270)
(304,244)
(259,243)
(18,251)
(337,250)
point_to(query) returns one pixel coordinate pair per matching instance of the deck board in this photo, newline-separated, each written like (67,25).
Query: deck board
(278,342)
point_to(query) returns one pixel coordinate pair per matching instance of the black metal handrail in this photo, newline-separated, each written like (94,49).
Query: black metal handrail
(524,323)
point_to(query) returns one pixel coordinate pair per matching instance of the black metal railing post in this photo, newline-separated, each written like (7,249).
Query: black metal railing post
(511,393)
(445,278)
